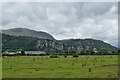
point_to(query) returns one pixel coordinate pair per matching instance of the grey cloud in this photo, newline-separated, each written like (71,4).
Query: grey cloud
(65,19)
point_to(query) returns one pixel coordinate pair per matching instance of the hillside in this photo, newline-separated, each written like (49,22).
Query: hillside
(34,43)
(88,43)
(27,32)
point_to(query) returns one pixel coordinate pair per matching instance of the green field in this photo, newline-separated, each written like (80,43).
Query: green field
(45,67)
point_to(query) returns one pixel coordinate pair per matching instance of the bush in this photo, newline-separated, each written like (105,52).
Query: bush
(75,55)
(22,52)
(65,56)
(54,56)
(89,69)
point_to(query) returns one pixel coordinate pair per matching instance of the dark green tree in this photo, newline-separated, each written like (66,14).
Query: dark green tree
(103,51)
(23,53)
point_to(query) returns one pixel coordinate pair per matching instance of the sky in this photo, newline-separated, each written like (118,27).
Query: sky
(64,20)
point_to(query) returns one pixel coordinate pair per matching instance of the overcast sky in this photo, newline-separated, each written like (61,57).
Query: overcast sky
(65,20)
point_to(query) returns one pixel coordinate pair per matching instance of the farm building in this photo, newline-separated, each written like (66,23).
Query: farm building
(55,55)
(9,53)
(35,53)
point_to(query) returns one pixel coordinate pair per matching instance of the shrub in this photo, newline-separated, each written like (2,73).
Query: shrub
(54,56)
(89,69)
(75,55)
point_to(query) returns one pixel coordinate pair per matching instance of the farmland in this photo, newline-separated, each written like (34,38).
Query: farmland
(86,66)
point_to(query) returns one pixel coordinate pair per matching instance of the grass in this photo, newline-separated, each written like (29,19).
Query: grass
(0,67)
(44,67)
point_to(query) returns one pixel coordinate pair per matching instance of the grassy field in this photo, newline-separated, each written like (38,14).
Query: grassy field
(44,67)
(0,67)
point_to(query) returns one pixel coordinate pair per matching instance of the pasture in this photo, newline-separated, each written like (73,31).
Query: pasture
(86,66)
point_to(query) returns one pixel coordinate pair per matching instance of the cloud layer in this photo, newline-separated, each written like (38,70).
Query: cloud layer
(65,20)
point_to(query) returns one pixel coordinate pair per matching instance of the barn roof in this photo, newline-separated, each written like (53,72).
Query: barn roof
(35,52)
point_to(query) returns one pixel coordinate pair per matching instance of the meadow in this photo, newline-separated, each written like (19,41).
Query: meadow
(85,66)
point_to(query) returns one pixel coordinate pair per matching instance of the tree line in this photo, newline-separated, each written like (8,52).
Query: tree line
(66,53)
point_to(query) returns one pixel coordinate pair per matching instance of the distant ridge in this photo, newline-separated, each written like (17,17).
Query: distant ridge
(27,32)
(37,44)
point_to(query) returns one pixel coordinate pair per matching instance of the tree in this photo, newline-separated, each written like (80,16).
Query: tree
(118,50)
(92,52)
(22,52)
(103,51)
(83,52)
(114,52)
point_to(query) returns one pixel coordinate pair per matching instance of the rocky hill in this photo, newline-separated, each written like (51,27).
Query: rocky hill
(35,43)
(27,32)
